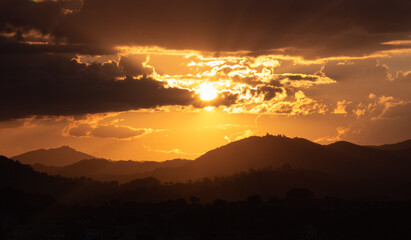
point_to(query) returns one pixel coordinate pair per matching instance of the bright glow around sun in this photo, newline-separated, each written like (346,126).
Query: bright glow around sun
(207,92)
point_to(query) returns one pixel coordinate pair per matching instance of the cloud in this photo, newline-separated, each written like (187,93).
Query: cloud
(309,28)
(385,105)
(24,123)
(171,151)
(298,80)
(341,133)
(297,104)
(396,110)
(56,84)
(40,44)
(376,108)
(239,135)
(341,107)
(120,132)
(131,66)
(355,81)
(249,84)
(403,76)
(227,126)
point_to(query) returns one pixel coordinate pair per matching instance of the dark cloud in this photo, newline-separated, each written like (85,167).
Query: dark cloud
(107,131)
(43,79)
(132,66)
(47,84)
(14,47)
(11,124)
(82,130)
(298,77)
(119,132)
(310,28)
(269,91)
(28,14)
(225,98)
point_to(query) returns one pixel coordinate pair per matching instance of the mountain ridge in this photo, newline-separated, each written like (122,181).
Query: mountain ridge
(108,170)
(60,156)
(278,151)
(270,160)
(250,153)
(406,144)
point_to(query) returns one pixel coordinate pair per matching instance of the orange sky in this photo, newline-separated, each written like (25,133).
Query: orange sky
(111,91)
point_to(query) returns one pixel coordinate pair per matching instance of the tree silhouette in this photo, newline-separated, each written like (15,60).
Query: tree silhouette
(299,194)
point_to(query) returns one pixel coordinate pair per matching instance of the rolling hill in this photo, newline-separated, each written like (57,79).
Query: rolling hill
(269,165)
(396,146)
(52,157)
(340,158)
(14,175)
(107,170)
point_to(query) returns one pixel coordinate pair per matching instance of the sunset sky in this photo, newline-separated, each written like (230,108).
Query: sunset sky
(157,79)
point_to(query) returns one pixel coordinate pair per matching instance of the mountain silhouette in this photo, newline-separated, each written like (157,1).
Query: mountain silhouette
(340,158)
(19,176)
(107,170)
(401,149)
(269,166)
(52,157)
(269,201)
(396,146)
(274,151)
(362,155)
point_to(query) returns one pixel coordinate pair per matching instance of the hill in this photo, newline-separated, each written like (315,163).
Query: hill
(52,157)
(107,170)
(19,176)
(340,158)
(277,151)
(259,204)
(401,149)
(396,146)
(265,182)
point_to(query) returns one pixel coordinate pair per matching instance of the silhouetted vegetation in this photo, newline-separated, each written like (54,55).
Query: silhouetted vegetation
(280,201)
(251,218)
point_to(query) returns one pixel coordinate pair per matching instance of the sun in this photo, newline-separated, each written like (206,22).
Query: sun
(207,92)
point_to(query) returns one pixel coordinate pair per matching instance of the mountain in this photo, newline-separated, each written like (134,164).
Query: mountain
(269,165)
(267,183)
(260,202)
(253,152)
(401,149)
(107,170)
(366,157)
(14,175)
(274,151)
(341,158)
(396,146)
(52,157)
